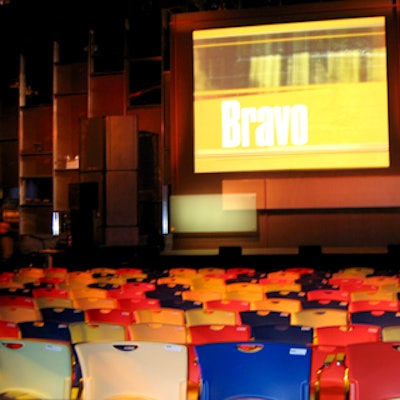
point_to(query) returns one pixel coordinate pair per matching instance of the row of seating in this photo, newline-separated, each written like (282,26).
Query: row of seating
(314,314)
(43,369)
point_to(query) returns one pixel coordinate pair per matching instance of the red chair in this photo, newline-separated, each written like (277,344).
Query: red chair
(113,316)
(9,330)
(374,370)
(327,294)
(228,304)
(373,305)
(50,292)
(134,304)
(201,334)
(343,335)
(17,301)
(328,372)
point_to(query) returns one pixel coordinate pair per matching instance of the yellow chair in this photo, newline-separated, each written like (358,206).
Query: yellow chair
(19,314)
(245,287)
(52,302)
(86,303)
(183,271)
(133,370)
(202,295)
(282,305)
(201,316)
(390,333)
(88,292)
(319,317)
(166,315)
(35,369)
(84,331)
(158,332)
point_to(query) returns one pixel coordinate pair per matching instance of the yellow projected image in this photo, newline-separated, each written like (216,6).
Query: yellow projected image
(299,96)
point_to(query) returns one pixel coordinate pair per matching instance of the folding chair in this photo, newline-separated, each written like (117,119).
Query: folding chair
(343,335)
(294,334)
(161,314)
(260,317)
(19,314)
(201,334)
(201,316)
(63,315)
(96,331)
(40,369)
(379,318)
(316,317)
(45,330)
(374,370)
(254,370)
(158,332)
(9,329)
(140,370)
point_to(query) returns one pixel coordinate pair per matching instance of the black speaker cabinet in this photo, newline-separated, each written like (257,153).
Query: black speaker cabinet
(83,196)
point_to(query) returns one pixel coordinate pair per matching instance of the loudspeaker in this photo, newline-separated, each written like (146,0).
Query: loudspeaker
(83,196)
(310,250)
(83,229)
(230,252)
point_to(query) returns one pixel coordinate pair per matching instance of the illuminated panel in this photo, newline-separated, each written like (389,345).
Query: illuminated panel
(293,96)
(213,213)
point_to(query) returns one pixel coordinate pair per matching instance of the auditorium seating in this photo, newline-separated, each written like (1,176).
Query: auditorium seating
(322,315)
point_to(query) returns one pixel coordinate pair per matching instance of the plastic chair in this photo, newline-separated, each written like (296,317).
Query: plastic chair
(213,283)
(17,301)
(260,317)
(48,302)
(293,334)
(374,370)
(328,294)
(201,316)
(182,271)
(228,304)
(158,332)
(84,331)
(179,303)
(373,305)
(62,315)
(390,334)
(319,317)
(201,334)
(113,316)
(245,286)
(334,304)
(202,295)
(281,305)
(250,370)
(162,314)
(133,304)
(88,292)
(9,329)
(19,314)
(370,295)
(328,373)
(51,292)
(39,369)
(140,369)
(379,318)
(45,330)
(86,303)
(342,335)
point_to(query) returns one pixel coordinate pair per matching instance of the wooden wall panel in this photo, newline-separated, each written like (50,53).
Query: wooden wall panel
(333,192)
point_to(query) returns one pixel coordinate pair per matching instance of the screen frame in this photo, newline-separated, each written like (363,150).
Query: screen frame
(181,29)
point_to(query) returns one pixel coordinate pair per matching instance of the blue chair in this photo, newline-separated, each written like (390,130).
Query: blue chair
(254,370)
